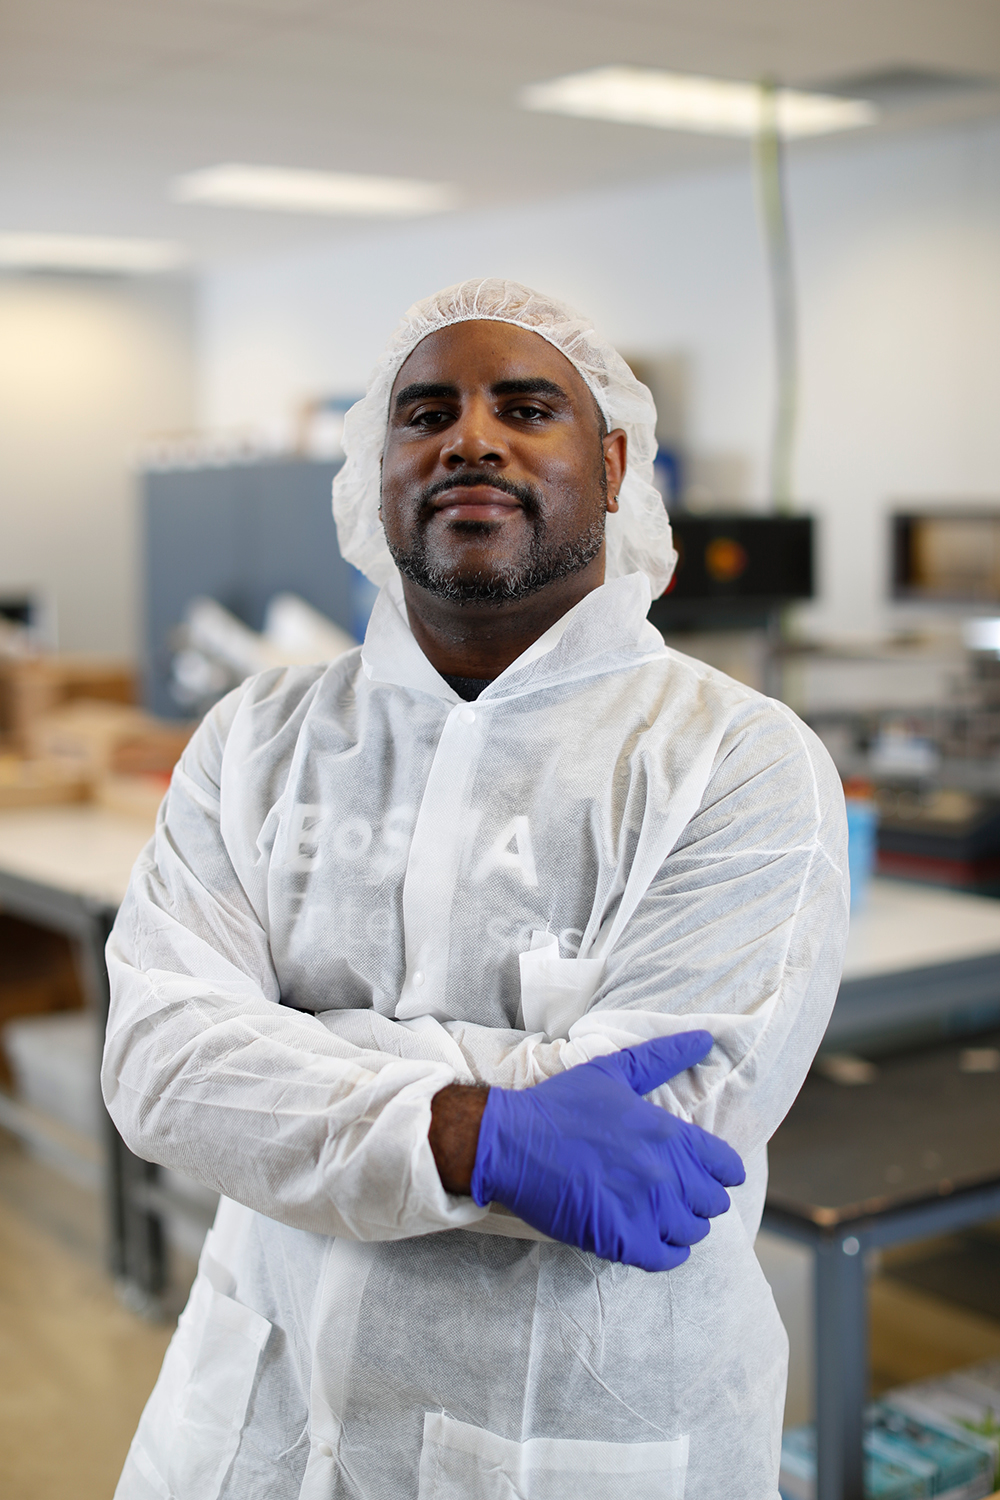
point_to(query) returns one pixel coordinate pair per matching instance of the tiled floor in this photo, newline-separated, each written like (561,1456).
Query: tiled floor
(75,1366)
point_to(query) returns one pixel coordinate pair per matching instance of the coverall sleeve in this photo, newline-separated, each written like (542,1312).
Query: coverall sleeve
(204,1071)
(741,933)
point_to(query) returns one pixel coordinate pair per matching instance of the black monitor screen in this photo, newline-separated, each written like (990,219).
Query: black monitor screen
(19,609)
(737,564)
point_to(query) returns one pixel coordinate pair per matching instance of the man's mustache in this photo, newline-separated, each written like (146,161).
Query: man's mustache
(524,493)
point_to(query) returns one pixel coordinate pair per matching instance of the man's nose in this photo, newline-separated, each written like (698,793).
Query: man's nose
(475,438)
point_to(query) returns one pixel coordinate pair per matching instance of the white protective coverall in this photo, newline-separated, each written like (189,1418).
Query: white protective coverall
(361,889)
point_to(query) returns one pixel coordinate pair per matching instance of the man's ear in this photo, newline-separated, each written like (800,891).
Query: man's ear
(615,457)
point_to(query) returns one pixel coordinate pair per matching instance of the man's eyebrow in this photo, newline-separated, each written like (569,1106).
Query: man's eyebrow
(533,385)
(422,390)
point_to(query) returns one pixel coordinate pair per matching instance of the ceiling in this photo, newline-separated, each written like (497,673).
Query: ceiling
(102,102)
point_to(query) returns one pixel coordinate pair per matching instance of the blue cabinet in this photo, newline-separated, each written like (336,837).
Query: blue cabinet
(240,534)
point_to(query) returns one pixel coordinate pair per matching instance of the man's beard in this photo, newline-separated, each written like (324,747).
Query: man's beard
(544,562)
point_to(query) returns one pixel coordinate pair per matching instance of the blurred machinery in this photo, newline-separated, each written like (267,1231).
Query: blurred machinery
(920,718)
(948,556)
(921,722)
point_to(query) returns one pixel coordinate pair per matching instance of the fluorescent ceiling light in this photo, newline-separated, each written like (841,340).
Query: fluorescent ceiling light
(291,191)
(682,101)
(95,253)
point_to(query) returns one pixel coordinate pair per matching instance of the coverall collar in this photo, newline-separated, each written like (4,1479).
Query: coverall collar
(607,631)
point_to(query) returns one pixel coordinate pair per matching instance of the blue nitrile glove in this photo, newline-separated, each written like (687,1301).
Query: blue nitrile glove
(585,1159)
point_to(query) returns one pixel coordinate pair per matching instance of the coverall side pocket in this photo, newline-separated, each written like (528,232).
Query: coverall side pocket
(461,1462)
(190,1430)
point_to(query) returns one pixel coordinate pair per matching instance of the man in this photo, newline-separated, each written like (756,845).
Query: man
(415,934)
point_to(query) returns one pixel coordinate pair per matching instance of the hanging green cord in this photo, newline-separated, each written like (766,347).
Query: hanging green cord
(771,202)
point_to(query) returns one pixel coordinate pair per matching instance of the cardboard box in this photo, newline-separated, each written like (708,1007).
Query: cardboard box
(83,736)
(907,1456)
(97,739)
(38,783)
(32,686)
(968,1399)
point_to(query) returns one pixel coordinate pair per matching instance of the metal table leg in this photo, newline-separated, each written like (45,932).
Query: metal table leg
(136,1249)
(841,1367)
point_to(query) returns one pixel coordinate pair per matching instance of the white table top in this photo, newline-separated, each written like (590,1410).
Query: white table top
(90,851)
(86,850)
(909,926)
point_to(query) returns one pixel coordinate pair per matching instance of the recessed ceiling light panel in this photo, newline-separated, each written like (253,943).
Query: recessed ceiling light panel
(90,253)
(287,190)
(683,101)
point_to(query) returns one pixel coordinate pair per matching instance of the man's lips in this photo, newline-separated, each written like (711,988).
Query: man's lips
(474,503)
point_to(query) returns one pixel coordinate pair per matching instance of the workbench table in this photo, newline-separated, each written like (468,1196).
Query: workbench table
(67,868)
(913,1153)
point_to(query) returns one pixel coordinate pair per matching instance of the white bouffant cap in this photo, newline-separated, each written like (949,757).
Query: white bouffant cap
(638,534)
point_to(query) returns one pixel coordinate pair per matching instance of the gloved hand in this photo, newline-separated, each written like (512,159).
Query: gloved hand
(585,1159)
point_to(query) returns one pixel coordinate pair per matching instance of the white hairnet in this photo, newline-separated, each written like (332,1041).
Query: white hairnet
(638,535)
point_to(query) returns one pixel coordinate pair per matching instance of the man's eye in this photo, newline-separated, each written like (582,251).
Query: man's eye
(429,418)
(529,412)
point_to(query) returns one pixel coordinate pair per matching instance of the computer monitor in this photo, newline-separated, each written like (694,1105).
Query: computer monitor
(946,556)
(735,570)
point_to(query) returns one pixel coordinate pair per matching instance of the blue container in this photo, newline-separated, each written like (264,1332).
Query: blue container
(862,831)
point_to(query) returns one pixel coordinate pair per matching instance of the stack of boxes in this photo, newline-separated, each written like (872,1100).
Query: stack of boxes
(70,732)
(938,1438)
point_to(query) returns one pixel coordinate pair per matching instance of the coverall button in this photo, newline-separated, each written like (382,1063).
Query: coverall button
(468,716)
(418,979)
(324,1450)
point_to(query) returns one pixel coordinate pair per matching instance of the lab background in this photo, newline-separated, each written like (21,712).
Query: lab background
(211,217)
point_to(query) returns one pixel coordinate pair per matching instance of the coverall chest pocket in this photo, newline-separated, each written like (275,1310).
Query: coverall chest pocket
(190,1430)
(461,1462)
(555,991)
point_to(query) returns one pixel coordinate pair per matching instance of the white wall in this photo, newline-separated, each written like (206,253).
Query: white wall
(898,249)
(88,367)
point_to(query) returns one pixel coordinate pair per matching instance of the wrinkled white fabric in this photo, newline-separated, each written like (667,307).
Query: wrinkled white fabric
(637,535)
(362,888)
